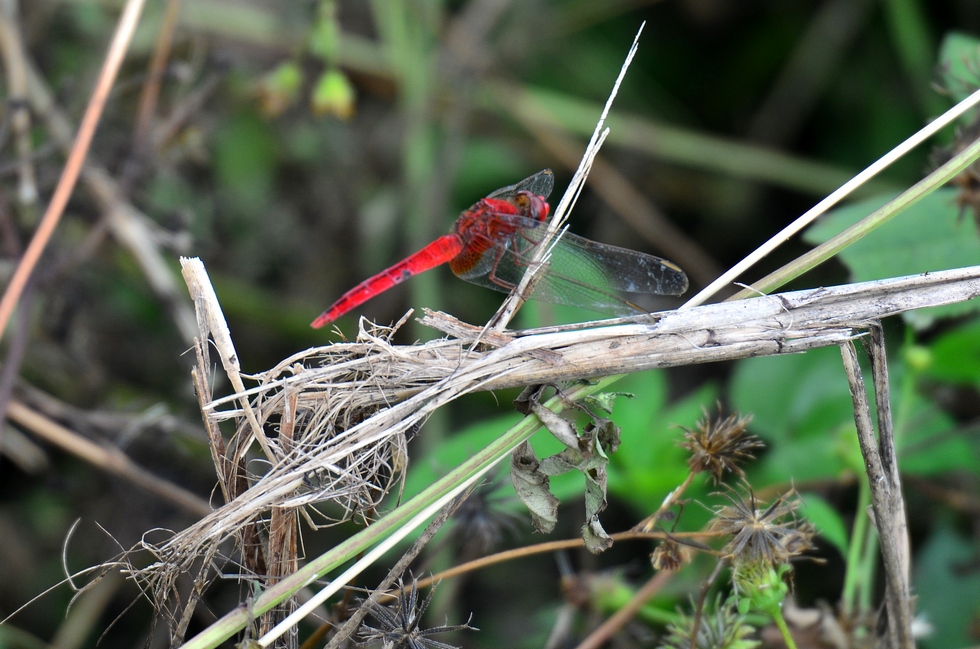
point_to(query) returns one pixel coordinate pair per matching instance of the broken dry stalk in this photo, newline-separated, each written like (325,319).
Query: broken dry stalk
(883,501)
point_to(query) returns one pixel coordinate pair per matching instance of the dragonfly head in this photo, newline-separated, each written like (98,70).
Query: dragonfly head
(531,205)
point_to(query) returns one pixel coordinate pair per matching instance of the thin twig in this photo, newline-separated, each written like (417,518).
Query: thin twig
(536,265)
(73,167)
(12,47)
(650,522)
(702,596)
(633,207)
(605,631)
(549,547)
(158,65)
(109,459)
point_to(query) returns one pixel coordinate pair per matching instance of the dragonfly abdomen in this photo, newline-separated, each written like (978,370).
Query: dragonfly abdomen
(436,253)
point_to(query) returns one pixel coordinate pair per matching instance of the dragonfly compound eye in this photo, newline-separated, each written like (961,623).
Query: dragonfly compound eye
(531,205)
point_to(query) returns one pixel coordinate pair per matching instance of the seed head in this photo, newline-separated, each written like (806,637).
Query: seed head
(669,555)
(768,536)
(400,624)
(480,523)
(719,444)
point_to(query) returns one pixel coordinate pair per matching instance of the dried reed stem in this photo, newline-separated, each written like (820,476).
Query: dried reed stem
(886,502)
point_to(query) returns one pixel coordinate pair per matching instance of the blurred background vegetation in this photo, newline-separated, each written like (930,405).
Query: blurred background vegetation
(299,147)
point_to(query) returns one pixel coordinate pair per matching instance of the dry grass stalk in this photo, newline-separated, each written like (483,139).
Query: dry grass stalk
(556,224)
(885,485)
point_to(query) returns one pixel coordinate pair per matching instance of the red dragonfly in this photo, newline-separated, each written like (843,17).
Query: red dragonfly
(493,241)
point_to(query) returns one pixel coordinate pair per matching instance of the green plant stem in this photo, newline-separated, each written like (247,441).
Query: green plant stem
(317,568)
(906,393)
(859,532)
(409,35)
(869,559)
(777,617)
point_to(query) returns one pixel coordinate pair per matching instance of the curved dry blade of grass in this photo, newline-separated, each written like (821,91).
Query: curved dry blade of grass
(565,205)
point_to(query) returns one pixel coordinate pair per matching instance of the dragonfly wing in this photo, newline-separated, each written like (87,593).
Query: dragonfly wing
(621,269)
(539,184)
(580,272)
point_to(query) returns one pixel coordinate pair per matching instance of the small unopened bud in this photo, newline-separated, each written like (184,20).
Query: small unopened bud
(279,89)
(333,95)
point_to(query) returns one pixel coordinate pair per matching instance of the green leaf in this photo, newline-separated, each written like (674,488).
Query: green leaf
(795,396)
(826,519)
(930,235)
(955,355)
(802,408)
(455,450)
(946,594)
(814,458)
(928,443)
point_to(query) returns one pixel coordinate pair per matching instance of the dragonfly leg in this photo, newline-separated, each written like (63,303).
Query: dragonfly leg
(492,275)
(515,259)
